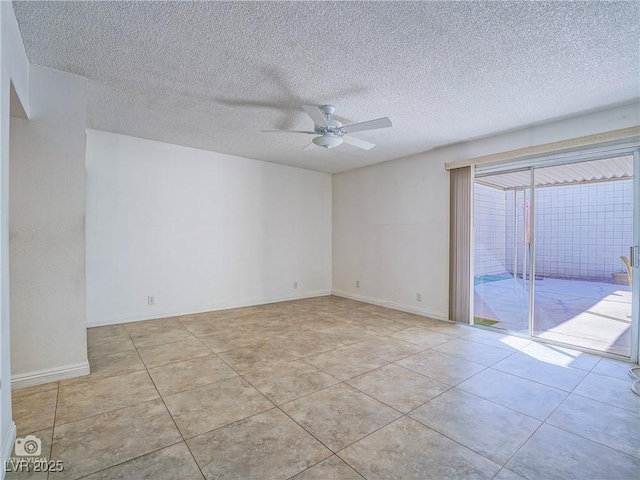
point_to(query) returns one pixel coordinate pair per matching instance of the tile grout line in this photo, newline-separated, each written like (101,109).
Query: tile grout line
(169,413)
(485,367)
(545,420)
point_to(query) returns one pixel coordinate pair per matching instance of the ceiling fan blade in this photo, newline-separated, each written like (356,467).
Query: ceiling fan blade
(289,131)
(356,142)
(369,125)
(316,115)
(309,146)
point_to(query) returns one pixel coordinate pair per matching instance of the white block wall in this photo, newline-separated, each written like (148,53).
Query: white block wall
(581,230)
(489,230)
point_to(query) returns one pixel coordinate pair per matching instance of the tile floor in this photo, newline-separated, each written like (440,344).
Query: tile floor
(329,388)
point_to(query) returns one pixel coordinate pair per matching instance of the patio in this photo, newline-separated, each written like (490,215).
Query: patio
(588,314)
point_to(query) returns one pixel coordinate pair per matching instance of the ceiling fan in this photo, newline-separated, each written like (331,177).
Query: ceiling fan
(332,133)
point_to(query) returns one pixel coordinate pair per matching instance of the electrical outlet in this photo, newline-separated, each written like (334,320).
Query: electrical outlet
(151,300)
(295,285)
(357,283)
(419,297)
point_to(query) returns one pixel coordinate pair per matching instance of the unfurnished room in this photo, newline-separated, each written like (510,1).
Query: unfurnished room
(320,240)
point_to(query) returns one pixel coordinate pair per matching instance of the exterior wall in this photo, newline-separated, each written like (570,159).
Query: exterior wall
(489,256)
(581,230)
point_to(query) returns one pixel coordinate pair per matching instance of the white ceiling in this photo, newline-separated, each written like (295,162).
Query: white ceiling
(211,75)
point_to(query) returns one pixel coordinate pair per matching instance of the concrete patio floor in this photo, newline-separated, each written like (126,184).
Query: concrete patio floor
(594,315)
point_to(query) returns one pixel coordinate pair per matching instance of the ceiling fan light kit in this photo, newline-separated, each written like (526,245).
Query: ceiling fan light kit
(327,141)
(331,133)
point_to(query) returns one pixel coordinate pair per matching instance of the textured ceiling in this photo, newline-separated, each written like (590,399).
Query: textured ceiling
(211,75)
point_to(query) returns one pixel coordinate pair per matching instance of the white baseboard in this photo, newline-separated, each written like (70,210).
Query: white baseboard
(392,305)
(7,447)
(22,380)
(138,317)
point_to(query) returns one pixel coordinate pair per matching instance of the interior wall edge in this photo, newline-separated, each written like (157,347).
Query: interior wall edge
(139,317)
(391,305)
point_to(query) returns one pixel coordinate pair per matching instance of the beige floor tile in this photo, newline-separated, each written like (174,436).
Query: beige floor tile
(107,345)
(563,357)
(385,325)
(35,389)
(611,426)
(339,415)
(408,318)
(155,325)
(613,368)
(306,344)
(553,454)
(174,462)
(194,373)
(288,381)
(35,411)
(106,331)
(203,325)
(345,362)
(332,468)
(157,355)
(496,339)
(295,354)
(206,408)
(474,352)
(146,335)
(256,358)
(83,400)
(519,394)
(485,427)
(440,366)
(93,444)
(408,450)
(388,348)
(564,378)
(109,366)
(265,446)
(13,469)
(347,333)
(506,474)
(398,387)
(609,390)
(422,336)
(447,328)
(233,339)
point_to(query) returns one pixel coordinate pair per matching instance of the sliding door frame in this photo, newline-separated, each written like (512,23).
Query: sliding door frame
(635,284)
(532,164)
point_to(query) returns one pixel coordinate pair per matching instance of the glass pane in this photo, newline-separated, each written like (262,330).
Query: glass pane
(501,251)
(583,228)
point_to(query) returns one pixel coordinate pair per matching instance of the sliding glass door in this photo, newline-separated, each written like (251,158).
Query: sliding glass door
(552,252)
(502,260)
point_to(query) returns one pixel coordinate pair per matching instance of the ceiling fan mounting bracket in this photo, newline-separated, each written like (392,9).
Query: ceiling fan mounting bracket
(328,110)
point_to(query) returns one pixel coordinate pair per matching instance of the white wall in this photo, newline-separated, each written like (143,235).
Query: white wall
(391,220)
(46,220)
(14,69)
(198,230)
